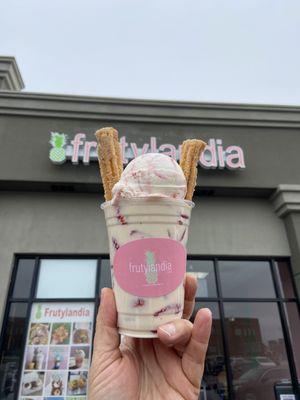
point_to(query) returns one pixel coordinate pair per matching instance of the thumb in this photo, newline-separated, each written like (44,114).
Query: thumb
(107,338)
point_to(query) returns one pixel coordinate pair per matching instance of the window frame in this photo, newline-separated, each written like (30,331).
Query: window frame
(219,299)
(33,299)
(279,299)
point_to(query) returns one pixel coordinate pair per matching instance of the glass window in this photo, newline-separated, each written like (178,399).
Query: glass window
(105,275)
(24,277)
(214,382)
(67,279)
(292,316)
(284,279)
(246,279)
(56,341)
(10,357)
(204,271)
(256,346)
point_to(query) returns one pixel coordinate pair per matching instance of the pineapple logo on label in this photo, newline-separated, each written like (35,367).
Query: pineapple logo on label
(151,274)
(58,153)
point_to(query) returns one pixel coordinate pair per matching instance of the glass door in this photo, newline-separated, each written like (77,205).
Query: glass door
(48,328)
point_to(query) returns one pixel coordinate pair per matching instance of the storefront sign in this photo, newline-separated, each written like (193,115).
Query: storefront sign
(58,351)
(215,156)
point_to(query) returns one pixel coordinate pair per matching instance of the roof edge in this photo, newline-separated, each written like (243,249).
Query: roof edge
(158,111)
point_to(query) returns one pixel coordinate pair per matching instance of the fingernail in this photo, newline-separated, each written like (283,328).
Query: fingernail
(208,311)
(206,315)
(168,329)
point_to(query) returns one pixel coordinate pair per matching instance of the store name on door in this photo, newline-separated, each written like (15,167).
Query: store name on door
(78,150)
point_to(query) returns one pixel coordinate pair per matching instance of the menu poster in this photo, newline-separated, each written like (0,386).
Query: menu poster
(57,352)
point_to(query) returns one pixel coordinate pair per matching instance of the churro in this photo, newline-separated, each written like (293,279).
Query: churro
(110,159)
(190,153)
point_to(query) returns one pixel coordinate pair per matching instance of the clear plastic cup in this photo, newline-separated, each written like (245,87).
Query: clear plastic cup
(147,240)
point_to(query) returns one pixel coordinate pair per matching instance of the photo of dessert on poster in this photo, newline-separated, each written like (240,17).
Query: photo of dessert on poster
(32,383)
(39,334)
(55,383)
(82,333)
(79,357)
(36,357)
(60,333)
(77,383)
(58,357)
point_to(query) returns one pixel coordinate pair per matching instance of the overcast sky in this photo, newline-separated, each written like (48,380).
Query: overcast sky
(214,50)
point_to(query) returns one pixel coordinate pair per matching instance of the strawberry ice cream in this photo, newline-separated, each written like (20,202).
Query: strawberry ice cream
(151,175)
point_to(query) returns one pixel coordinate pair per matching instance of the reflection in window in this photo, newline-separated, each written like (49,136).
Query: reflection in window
(214,382)
(67,279)
(204,272)
(105,274)
(10,357)
(284,279)
(257,354)
(24,278)
(246,279)
(292,316)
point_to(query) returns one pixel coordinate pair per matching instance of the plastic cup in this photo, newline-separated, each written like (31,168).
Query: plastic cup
(147,240)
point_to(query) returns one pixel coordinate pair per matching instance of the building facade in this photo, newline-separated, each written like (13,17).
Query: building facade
(243,247)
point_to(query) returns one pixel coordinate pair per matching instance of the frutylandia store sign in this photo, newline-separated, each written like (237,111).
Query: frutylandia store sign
(78,150)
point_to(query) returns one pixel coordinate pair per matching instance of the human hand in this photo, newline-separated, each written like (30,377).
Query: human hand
(168,367)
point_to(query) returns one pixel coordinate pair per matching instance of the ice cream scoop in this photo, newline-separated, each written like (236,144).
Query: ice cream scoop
(151,175)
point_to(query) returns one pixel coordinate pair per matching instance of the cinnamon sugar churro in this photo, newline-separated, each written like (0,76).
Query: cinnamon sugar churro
(110,159)
(190,153)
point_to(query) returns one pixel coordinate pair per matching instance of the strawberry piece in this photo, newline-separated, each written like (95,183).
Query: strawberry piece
(169,309)
(115,243)
(139,302)
(121,217)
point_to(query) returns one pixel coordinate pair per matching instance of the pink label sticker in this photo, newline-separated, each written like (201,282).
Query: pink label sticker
(150,267)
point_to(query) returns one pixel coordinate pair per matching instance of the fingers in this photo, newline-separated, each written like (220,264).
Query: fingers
(107,338)
(176,333)
(194,355)
(189,295)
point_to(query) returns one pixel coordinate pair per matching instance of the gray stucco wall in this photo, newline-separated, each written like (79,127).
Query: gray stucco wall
(271,155)
(54,223)
(40,220)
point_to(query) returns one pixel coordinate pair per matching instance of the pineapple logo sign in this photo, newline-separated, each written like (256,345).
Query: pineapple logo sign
(79,150)
(58,153)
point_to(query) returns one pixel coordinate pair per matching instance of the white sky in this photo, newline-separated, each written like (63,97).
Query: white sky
(213,50)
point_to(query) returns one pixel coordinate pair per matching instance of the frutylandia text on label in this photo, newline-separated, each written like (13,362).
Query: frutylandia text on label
(150,267)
